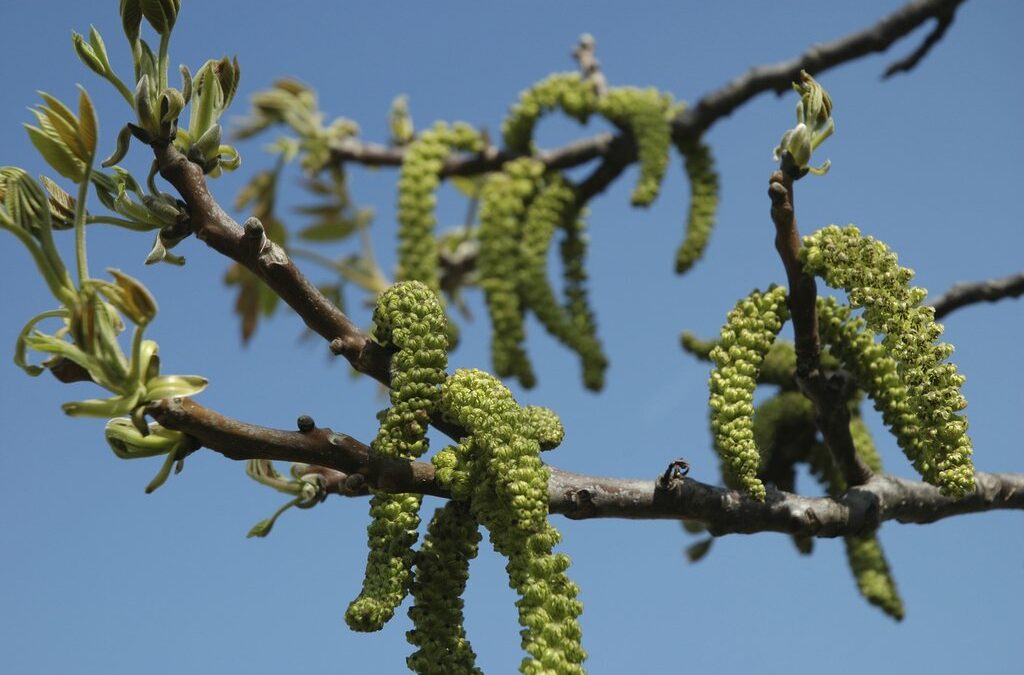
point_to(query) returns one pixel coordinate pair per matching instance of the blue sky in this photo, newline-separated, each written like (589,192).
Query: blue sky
(102,578)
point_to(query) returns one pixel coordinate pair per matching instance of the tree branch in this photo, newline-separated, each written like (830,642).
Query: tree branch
(695,120)
(264,258)
(829,394)
(961,295)
(318,446)
(340,458)
(819,58)
(908,63)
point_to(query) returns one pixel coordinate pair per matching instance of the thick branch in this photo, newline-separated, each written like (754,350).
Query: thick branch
(251,247)
(578,496)
(961,295)
(829,394)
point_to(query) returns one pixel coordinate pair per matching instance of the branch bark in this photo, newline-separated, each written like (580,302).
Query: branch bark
(961,295)
(339,457)
(829,394)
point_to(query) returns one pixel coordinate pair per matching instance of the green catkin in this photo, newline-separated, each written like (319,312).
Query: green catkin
(567,92)
(573,252)
(509,498)
(442,569)
(877,374)
(545,425)
(869,273)
(553,206)
(700,169)
(784,425)
(863,552)
(645,112)
(784,429)
(408,317)
(746,337)
(417,183)
(777,368)
(502,205)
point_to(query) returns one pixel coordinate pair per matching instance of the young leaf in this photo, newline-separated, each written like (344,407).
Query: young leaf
(328,230)
(87,131)
(131,19)
(55,154)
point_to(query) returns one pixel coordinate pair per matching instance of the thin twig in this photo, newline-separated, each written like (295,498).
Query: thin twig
(908,63)
(961,295)
(585,54)
(816,60)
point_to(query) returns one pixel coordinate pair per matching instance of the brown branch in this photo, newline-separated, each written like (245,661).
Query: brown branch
(695,120)
(961,295)
(318,446)
(251,247)
(819,58)
(828,393)
(340,458)
(491,159)
(908,63)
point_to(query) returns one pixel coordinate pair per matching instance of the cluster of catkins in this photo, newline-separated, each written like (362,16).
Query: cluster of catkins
(912,384)
(523,204)
(419,179)
(786,434)
(521,207)
(496,479)
(906,375)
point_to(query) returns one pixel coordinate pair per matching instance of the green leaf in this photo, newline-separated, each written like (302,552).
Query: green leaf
(60,109)
(172,102)
(20,347)
(87,131)
(94,407)
(260,529)
(98,47)
(160,14)
(87,54)
(56,127)
(55,154)
(62,205)
(124,139)
(695,552)
(127,443)
(328,230)
(169,386)
(131,18)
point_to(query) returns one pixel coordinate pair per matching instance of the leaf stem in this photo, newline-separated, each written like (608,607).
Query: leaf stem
(133,225)
(80,253)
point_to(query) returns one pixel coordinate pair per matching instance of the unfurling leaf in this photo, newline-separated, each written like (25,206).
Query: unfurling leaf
(87,130)
(161,14)
(56,155)
(124,139)
(169,386)
(131,19)
(87,54)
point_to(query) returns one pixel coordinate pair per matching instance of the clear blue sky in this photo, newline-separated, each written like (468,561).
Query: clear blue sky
(101,578)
